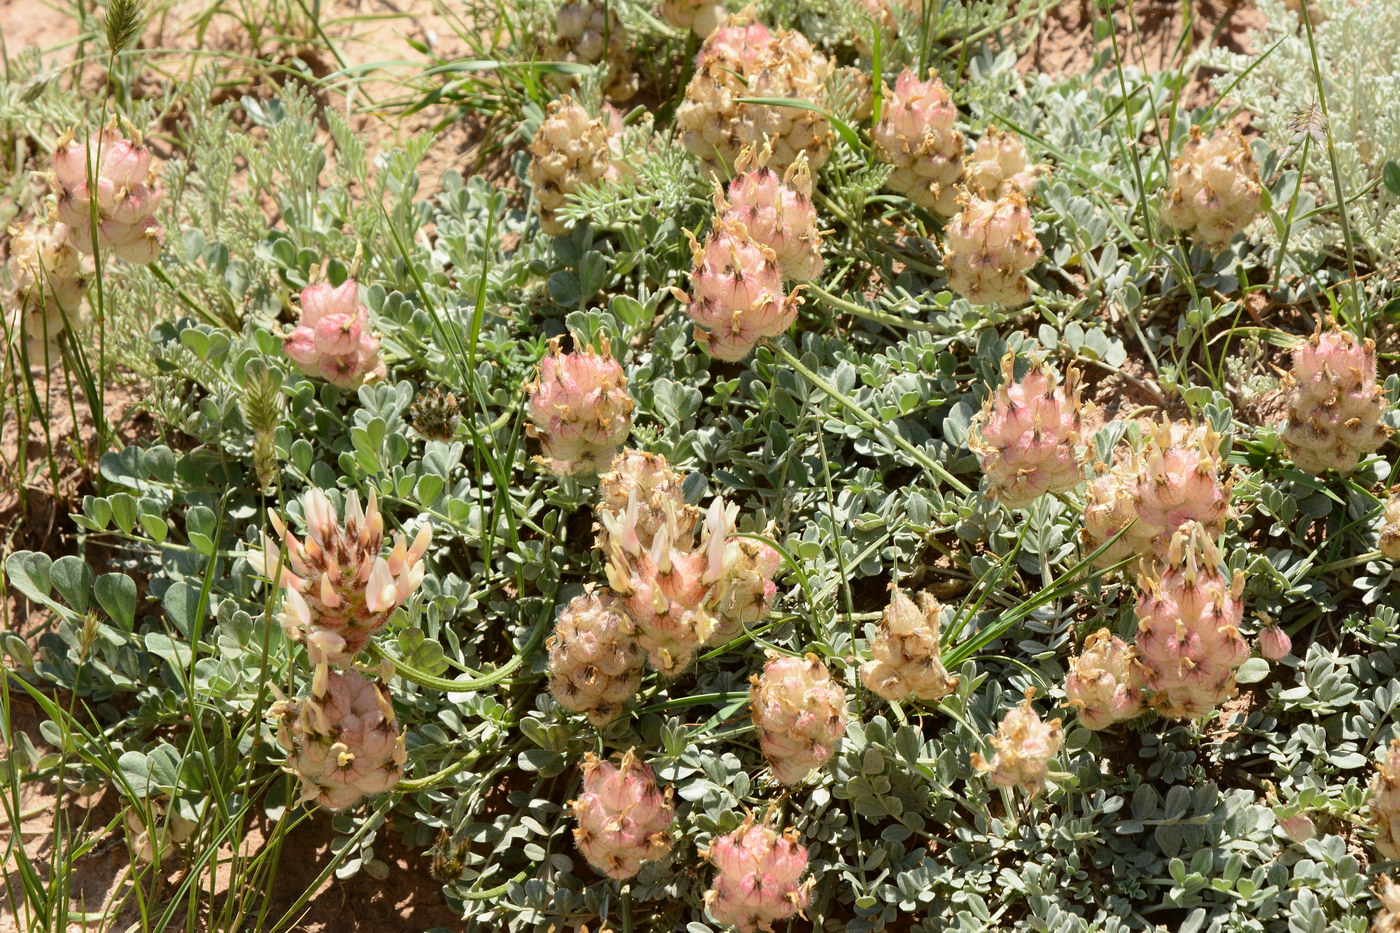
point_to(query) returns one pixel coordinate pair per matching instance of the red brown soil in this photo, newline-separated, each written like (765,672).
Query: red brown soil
(1149,37)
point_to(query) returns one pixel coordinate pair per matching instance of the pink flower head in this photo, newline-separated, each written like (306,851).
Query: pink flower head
(579,409)
(339,586)
(758,872)
(742,41)
(332,339)
(127,195)
(1027,434)
(623,818)
(738,293)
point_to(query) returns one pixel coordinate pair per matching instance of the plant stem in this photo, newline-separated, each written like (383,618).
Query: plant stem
(870,314)
(921,458)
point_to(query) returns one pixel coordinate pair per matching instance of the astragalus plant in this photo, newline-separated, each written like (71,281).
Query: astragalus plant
(788,468)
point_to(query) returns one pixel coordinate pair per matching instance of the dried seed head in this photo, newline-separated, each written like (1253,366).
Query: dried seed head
(905,659)
(1025,746)
(1104,682)
(570,151)
(1385,801)
(1214,188)
(744,59)
(595,666)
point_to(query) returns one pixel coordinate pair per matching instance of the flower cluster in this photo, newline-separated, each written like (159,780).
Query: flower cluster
(333,339)
(1028,434)
(744,59)
(342,741)
(990,246)
(623,818)
(758,877)
(44,300)
(339,589)
(1335,405)
(108,181)
(579,409)
(917,134)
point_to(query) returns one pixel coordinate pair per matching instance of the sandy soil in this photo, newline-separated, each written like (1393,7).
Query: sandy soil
(1065,43)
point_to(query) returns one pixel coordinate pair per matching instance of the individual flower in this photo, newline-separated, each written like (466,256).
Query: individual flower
(1274,643)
